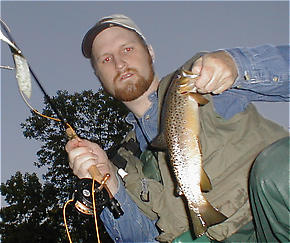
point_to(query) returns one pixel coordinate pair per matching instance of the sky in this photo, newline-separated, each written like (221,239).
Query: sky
(49,33)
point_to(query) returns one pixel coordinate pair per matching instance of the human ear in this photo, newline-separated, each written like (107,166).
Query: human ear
(151,52)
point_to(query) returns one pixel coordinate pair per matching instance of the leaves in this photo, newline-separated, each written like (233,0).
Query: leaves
(34,213)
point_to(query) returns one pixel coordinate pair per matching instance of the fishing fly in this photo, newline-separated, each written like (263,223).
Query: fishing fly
(91,196)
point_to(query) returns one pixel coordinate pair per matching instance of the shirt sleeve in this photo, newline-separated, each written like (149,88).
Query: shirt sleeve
(264,70)
(263,75)
(133,225)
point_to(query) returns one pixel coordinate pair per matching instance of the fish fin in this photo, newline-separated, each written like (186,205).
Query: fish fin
(198,227)
(205,183)
(159,142)
(211,215)
(199,98)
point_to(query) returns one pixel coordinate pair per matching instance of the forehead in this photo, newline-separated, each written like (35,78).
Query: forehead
(113,37)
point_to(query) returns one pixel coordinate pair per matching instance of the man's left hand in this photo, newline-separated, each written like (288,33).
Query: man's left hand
(217,72)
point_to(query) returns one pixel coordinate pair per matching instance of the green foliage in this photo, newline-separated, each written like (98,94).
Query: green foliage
(34,213)
(26,219)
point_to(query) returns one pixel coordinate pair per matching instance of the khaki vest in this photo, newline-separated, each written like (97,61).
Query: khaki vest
(229,148)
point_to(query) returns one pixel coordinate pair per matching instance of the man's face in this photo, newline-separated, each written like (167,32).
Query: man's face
(122,63)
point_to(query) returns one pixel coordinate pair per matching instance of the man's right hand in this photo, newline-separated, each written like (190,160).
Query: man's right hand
(83,154)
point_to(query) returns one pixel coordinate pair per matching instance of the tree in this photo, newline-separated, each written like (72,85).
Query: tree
(26,219)
(38,215)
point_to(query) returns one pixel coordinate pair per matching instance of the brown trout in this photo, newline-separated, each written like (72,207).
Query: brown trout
(179,134)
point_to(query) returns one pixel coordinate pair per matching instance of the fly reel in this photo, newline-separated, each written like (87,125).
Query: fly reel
(83,199)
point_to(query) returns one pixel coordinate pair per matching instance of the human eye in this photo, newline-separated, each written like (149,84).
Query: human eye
(128,49)
(106,59)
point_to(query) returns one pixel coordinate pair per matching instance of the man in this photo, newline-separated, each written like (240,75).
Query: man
(232,133)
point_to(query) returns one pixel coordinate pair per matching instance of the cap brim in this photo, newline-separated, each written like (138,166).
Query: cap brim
(88,39)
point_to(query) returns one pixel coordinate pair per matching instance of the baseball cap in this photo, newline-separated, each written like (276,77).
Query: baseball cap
(104,23)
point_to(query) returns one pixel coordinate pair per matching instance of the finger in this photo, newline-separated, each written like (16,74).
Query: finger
(197,66)
(81,143)
(82,170)
(78,151)
(205,77)
(105,168)
(95,148)
(219,90)
(216,81)
(72,144)
(224,85)
(83,156)
(85,143)
(211,85)
(85,162)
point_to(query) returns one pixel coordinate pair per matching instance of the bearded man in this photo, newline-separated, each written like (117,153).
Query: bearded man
(232,136)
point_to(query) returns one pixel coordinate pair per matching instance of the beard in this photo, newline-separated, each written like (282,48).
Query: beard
(133,88)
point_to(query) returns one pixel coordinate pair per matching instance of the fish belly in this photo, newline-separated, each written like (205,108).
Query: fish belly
(182,132)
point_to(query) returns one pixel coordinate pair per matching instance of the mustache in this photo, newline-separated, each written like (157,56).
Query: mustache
(128,70)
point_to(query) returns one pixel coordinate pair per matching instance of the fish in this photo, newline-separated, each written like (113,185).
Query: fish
(179,134)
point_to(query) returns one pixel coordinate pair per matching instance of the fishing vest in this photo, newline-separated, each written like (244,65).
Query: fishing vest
(229,148)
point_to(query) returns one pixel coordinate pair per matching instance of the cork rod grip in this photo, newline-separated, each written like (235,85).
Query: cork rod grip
(93,170)
(95,173)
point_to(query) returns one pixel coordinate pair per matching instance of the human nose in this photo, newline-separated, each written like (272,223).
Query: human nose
(120,63)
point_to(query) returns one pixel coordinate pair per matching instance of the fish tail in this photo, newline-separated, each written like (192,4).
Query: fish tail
(198,227)
(211,215)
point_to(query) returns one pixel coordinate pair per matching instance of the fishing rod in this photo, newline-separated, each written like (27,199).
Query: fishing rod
(14,48)
(90,196)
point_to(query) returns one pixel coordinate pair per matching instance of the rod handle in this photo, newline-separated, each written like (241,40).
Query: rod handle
(93,170)
(95,173)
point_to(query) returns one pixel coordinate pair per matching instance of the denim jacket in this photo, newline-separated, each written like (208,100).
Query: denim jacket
(263,75)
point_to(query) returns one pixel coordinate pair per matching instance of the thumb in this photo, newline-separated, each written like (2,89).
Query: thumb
(197,66)
(72,144)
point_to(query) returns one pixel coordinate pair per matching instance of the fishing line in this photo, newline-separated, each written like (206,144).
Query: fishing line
(95,211)
(18,53)
(95,215)
(40,114)
(93,190)
(64,219)
(23,71)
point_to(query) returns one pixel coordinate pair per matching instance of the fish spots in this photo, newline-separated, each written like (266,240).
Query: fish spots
(181,127)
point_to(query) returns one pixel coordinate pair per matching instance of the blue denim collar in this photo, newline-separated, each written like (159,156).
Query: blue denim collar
(151,111)
(148,123)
